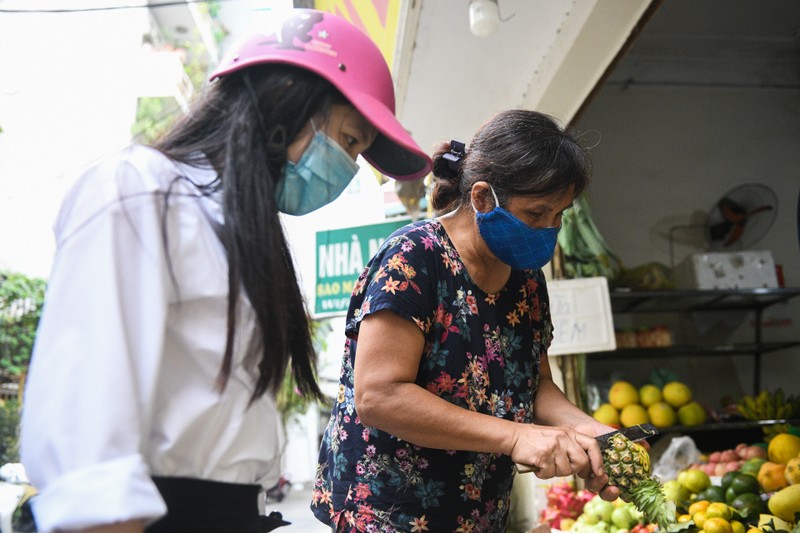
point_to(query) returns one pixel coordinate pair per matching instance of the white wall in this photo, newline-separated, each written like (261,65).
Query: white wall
(665,156)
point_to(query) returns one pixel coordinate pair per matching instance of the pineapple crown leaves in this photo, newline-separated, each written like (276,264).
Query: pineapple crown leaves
(676,527)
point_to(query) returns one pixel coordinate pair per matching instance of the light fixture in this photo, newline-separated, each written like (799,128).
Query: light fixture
(484,16)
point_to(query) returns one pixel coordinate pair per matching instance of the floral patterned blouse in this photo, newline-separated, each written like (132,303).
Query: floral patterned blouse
(482,352)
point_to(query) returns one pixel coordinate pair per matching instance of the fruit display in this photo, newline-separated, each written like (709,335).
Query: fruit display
(719,462)
(658,336)
(742,489)
(767,405)
(757,497)
(565,503)
(600,516)
(663,407)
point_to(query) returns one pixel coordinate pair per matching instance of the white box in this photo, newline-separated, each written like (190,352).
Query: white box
(727,270)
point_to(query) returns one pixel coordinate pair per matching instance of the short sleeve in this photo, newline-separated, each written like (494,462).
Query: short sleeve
(397,279)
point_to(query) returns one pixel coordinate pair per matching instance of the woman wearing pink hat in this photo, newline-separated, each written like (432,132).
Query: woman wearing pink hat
(173,309)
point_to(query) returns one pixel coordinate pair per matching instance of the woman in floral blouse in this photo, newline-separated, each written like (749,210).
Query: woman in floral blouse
(445,382)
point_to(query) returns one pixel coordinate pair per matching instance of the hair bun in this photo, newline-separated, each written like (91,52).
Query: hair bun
(448,162)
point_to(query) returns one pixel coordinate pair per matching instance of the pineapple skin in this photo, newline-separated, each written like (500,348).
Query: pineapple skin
(628,467)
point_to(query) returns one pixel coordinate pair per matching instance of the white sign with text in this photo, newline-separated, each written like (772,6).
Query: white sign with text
(581,314)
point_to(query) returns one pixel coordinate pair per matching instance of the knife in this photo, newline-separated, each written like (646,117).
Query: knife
(634,433)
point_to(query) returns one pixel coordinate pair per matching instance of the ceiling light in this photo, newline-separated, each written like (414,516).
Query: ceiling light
(484,16)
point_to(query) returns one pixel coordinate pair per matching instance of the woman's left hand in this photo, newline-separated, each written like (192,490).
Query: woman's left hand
(597,484)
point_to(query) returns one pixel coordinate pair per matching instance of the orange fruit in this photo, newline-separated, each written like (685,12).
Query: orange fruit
(633,415)
(676,394)
(649,394)
(607,414)
(717,525)
(700,505)
(719,510)
(622,394)
(699,518)
(695,480)
(692,414)
(662,415)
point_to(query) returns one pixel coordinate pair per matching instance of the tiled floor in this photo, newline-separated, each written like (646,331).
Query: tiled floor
(295,509)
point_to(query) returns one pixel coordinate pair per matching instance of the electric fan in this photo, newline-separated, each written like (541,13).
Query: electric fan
(741,217)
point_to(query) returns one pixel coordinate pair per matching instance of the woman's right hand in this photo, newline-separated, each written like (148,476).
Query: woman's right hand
(556,452)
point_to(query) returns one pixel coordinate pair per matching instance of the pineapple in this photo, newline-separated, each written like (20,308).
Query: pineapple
(628,467)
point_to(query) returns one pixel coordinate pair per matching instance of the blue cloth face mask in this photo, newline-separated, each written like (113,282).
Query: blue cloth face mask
(317,179)
(514,242)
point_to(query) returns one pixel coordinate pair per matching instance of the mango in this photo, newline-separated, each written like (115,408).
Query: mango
(785,503)
(771,478)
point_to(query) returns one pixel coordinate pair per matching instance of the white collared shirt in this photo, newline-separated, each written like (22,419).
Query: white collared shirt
(122,382)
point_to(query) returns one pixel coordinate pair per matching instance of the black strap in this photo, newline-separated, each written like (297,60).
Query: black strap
(203,506)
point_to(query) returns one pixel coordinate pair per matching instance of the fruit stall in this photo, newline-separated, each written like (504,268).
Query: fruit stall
(758,491)
(726,458)
(731,466)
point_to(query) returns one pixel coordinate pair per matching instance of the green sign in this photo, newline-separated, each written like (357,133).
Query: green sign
(341,256)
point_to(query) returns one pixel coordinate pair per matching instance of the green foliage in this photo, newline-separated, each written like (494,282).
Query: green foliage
(290,401)
(21,300)
(154,116)
(9,431)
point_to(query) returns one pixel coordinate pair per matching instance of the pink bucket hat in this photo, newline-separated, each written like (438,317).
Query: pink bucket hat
(336,50)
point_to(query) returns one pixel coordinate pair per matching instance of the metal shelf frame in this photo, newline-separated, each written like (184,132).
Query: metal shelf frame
(756,300)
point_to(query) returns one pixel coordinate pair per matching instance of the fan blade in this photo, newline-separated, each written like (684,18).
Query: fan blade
(731,210)
(760,209)
(736,234)
(720,230)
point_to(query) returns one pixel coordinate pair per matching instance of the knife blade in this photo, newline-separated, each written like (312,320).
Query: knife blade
(634,433)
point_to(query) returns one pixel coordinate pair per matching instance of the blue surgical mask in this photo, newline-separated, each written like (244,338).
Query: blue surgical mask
(512,241)
(317,179)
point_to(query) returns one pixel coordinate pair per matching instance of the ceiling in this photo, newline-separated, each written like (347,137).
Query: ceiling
(551,56)
(741,43)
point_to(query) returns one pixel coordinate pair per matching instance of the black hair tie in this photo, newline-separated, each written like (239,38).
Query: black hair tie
(455,155)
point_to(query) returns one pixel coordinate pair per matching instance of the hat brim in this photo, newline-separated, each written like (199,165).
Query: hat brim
(394,152)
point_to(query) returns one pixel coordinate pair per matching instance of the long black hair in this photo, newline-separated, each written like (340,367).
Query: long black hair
(518,152)
(242,124)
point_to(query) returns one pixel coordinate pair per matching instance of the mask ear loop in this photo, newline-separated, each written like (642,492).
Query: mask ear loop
(494,194)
